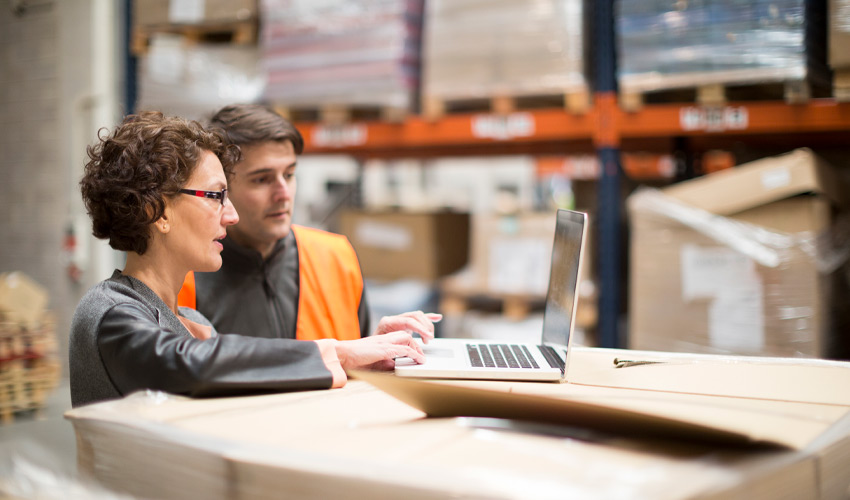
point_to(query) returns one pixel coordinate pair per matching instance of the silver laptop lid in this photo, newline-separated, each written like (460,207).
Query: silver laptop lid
(562,296)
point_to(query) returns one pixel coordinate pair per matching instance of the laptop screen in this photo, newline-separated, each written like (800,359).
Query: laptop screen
(563,277)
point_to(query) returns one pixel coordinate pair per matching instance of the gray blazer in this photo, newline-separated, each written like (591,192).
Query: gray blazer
(124,339)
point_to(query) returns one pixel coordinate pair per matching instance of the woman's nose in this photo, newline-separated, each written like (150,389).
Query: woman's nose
(229,215)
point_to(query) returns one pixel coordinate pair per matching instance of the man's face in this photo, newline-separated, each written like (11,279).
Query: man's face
(263,192)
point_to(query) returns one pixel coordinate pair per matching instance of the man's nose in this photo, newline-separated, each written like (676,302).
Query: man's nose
(282,189)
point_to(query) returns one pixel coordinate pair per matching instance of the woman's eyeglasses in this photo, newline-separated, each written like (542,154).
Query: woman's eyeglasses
(216,195)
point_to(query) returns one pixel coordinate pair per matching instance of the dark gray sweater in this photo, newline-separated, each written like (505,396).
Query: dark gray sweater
(124,338)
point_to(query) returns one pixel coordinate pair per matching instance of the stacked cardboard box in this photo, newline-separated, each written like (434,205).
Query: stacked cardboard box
(510,258)
(407,245)
(741,261)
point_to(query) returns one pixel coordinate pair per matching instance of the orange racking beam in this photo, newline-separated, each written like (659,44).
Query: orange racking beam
(451,130)
(667,120)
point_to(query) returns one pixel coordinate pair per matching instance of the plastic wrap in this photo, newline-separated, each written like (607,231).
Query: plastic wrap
(27,473)
(669,44)
(702,282)
(475,48)
(840,17)
(193,80)
(337,52)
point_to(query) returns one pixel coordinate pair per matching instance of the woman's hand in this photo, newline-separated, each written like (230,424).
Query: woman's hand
(410,322)
(378,352)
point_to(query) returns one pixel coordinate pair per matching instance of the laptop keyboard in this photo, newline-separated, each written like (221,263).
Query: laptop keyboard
(500,356)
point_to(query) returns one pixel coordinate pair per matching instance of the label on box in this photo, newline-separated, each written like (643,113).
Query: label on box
(776,178)
(519,265)
(186,11)
(735,307)
(736,321)
(381,235)
(709,272)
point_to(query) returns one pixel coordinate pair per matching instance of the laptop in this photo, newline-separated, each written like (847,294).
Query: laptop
(501,360)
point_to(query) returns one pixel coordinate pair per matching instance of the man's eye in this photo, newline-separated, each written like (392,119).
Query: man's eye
(263,180)
(289,176)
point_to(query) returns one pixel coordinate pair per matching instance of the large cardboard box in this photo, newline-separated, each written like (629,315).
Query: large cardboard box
(736,262)
(407,245)
(359,442)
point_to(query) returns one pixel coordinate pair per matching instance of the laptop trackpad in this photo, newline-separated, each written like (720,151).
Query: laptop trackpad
(438,352)
(431,352)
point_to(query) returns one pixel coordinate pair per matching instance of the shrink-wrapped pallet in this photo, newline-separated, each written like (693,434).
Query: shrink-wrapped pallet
(475,48)
(666,44)
(334,52)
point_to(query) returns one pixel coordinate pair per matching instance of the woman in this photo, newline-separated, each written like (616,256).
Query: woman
(156,187)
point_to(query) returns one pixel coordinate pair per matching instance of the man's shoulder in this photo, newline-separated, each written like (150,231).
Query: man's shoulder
(311,234)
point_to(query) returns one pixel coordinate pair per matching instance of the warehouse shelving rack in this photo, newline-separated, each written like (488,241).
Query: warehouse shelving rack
(604,128)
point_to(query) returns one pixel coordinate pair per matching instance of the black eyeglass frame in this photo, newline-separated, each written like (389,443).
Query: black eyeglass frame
(215,195)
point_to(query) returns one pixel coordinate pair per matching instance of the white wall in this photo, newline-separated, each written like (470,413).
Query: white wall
(58,83)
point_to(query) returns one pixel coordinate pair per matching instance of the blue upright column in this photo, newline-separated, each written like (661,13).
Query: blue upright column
(609,218)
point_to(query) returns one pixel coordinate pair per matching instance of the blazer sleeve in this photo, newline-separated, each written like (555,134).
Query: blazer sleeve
(139,354)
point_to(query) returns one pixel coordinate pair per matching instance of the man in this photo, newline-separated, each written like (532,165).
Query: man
(278,279)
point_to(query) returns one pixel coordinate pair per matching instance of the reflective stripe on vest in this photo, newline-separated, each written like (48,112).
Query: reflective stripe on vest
(330,286)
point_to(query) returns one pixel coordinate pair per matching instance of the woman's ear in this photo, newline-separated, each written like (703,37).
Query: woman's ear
(162,225)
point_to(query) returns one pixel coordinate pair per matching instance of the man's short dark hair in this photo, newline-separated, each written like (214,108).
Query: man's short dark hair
(248,124)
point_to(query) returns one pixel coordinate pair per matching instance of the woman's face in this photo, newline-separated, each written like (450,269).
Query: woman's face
(198,224)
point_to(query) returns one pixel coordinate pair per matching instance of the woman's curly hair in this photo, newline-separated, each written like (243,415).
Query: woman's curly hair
(135,168)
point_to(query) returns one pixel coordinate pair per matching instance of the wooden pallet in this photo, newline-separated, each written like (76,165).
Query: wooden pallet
(25,385)
(17,341)
(841,84)
(435,107)
(515,307)
(718,94)
(236,33)
(341,114)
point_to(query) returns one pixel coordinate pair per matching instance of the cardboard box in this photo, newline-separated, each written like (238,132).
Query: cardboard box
(731,262)
(511,254)
(510,259)
(839,34)
(359,442)
(407,245)
(164,12)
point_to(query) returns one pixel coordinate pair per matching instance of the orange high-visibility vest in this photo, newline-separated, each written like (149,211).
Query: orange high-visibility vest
(330,286)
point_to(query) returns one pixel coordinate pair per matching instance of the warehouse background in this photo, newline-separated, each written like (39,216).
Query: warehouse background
(442,134)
